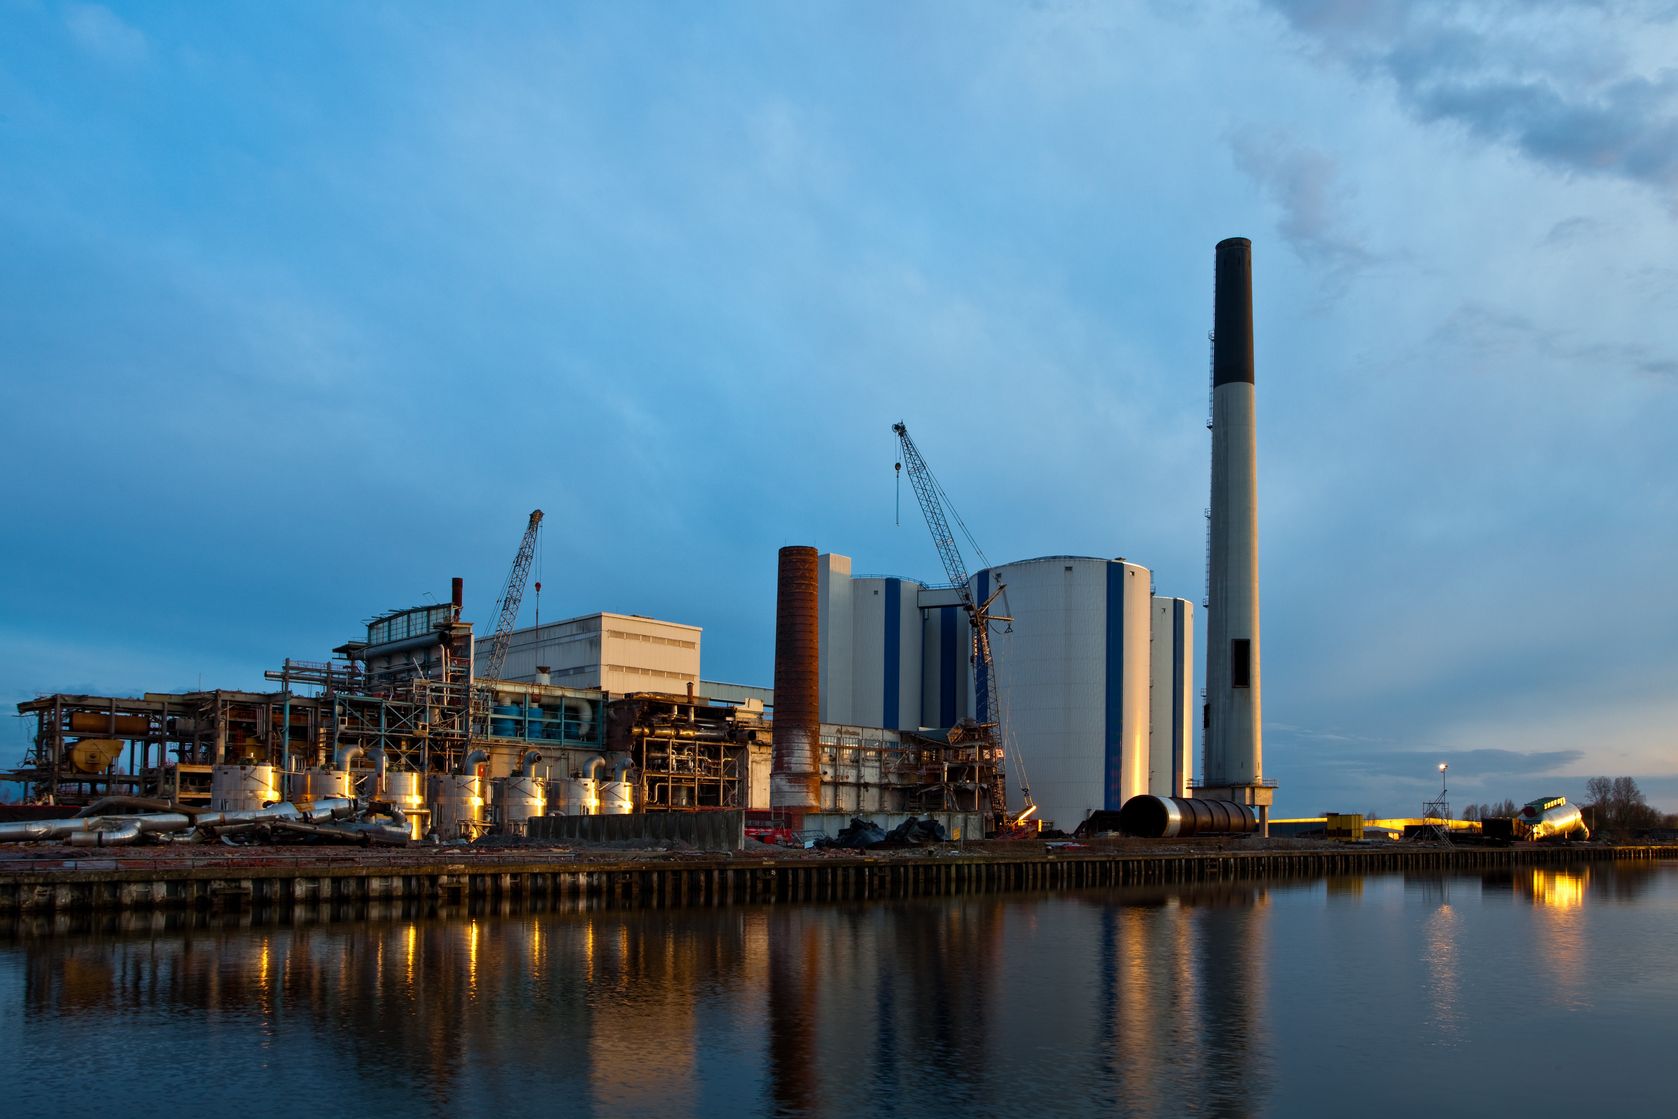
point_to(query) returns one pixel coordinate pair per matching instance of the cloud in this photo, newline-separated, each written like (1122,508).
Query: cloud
(1490,334)
(1558,83)
(1304,183)
(102,33)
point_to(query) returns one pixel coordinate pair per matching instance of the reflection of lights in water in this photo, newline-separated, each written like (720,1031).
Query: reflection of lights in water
(411,937)
(535,949)
(1441,959)
(588,950)
(1559,889)
(472,957)
(1559,896)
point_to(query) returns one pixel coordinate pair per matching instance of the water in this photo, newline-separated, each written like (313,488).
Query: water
(1548,989)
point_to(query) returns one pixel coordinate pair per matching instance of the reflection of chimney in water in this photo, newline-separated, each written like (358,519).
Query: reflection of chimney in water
(794,967)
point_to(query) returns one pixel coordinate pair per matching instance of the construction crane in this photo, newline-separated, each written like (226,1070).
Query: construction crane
(934,501)
(507,607)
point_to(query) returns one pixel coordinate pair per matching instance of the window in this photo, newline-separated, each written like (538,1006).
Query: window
(1241,663)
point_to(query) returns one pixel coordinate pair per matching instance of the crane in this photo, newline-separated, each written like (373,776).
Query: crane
(507,606)
(934,501)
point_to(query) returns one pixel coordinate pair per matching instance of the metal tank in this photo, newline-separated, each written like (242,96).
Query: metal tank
(307,785)
(407,792)
(515,800)
(241,788)
(457,805)
(1154,817)
(617,798)
(572,796)
(1552,818)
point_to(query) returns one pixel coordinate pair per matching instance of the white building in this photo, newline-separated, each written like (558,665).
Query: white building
(616,653)
(1171,699)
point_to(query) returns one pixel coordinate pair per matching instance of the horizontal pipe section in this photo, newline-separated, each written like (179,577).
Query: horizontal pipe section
(1154,817)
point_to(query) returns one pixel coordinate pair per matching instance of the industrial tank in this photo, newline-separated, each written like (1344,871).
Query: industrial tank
(241,788)
(515,799)
(457,805)
(407,792)
(1552,818)
(617,798)
(1072,671)
(318,784)
(572,796)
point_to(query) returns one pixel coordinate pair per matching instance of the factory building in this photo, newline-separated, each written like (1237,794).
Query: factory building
(617,653)
(1096,692)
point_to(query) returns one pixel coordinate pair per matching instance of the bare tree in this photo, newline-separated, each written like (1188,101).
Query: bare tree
(1599,791)
(1471,812)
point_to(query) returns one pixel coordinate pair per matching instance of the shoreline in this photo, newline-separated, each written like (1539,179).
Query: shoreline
(237,880)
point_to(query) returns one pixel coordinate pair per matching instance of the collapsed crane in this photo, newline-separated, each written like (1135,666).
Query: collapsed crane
(987,705)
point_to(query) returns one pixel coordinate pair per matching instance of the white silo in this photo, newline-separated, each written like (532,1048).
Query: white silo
(1171,699)
(1072,673)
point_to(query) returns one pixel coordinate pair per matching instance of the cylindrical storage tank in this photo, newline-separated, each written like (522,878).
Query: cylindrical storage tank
(1154,817)
(795,781)
(572,796)
(502,719)
(242,788)
(127,726)
(515,800)
(617,798)
(1072,674)
(407,792)
(318,784)
(457,805)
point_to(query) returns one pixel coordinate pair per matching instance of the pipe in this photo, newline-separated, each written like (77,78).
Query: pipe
(531,757)
(544,675)
(344,755)
(473,759)
(1153,817)
(585,715)
(118,833)
(457,594)
(34,831)
(377,754)
(104,806)
(795,776)
(621,767)
(595,768)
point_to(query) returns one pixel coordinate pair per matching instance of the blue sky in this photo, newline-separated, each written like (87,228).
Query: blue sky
(304,307)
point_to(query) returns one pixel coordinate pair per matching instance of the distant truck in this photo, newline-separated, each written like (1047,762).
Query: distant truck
(1551,818)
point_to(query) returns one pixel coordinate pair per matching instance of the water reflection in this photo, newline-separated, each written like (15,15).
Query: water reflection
(1134,1003)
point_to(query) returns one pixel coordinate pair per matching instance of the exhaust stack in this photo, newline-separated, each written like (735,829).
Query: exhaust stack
(1233,765)
(795,782)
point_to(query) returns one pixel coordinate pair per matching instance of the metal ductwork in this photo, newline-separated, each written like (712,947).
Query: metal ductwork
(474,758)
(795,773)
(1154,817)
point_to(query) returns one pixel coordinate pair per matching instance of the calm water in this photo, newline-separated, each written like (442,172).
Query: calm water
(1382,995)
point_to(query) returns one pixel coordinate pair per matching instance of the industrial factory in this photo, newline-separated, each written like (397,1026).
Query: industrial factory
(1049,691)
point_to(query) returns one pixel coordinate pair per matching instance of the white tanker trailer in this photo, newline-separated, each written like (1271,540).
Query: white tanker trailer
(1551,818)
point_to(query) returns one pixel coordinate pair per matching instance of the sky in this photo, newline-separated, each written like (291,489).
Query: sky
(304,307)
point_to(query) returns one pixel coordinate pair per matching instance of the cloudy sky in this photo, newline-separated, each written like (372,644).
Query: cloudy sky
(304,307)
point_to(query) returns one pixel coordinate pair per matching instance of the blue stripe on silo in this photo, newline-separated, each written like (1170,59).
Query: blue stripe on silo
(1178,746)
(981,680)
(894,654)
(1113,758)
(946,666)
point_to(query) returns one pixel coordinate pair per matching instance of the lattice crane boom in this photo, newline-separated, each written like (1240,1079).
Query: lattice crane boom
(933,501)
(512,597)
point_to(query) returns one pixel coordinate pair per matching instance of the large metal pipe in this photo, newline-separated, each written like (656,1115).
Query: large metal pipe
(117,833)
(795,772)
(1154,817)
(346,754)
(527,763)
(474,758)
